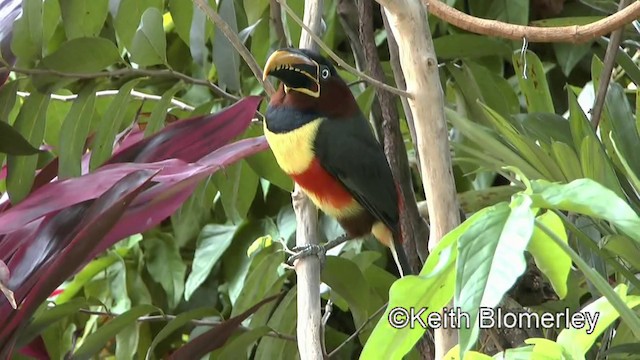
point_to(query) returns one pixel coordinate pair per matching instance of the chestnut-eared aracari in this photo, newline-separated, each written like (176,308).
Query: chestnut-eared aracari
(321,138)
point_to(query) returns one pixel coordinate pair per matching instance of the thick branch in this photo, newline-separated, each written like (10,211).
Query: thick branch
(569,34)
(408,22)
(309,328)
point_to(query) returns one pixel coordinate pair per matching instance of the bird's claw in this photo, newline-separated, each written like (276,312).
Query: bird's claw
(299,252)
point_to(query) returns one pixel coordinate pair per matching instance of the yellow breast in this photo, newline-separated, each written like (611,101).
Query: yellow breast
(294,149)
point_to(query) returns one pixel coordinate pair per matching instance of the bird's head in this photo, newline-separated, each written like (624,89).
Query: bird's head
(310,83)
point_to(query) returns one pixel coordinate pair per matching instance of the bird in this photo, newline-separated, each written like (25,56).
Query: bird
(322,140)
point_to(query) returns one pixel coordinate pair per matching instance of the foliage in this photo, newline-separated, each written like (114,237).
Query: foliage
(141,218)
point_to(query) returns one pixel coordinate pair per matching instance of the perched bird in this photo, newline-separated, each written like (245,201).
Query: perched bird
(322,140)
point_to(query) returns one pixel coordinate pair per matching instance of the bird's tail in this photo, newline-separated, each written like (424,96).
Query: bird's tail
(400,258)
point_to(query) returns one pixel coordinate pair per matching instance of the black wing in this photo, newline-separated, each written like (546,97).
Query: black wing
(347,149)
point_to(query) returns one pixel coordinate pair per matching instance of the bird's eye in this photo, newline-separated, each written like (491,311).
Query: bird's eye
(324,73)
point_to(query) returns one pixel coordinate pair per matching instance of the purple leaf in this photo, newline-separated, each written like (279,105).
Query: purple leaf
(218,336)
(68,248)
(191,139)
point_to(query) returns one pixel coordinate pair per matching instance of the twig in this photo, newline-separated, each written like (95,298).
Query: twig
(605,76)
(359,330)
(134,93)
(196,322)
(571,34)
(309,322)
(126,72)
(233,38)
(341,62)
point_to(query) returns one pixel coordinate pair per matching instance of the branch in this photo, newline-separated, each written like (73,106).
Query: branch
(570,34)
(126,72)
(234,39)
(196,322)
(337,59)
(359,330)
(605,76)
(134,93)
(309,326)
(408,22)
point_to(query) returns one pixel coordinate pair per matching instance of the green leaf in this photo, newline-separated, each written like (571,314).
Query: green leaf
(27,43)
(619,114)
(74,132)
(31,124)
(432,289)
(128,18)
(567,160)
(149,45)
(491,258)
(458,46)
(182,14)
(579,340)
(12,142)
(225,58)
(110,125)
(254,9)
(533,82)
(127,341)
(238,185)
(283,321)
(82,55)
(159,112)
(97,340)
(178,322)
(262,281)
(213,241)
(569,55)
(83,18)
(549,257)
(585,196)
(165,266)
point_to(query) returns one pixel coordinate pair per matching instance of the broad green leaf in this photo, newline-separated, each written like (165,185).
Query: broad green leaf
(97,340)
(254,9)
(213,241)
(569,55)
(128,18)
(178,322)
(262,281)
(13,143)
(159,112)
(283,321)
(512,12)
(432,289)
(458,46)
(83,18)
(624,247)
(225,58)
(238,185)
(545,127)
(110,125)
(27,43)
(149,45)
(618,113)
(545,349)
(549,257)
(182,14)
(127,341)
(344,277)
(82,55)
(579,340)
(496,91)
(165,266)
(567,160)
(585,196)
(632,176)
(31,124)
(467,85)
(74,132)
(533,82)
(85,275)
(491,258)
(454,354)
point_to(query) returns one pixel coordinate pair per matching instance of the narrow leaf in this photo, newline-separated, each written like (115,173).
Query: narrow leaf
(533,82)
(13,143)
(159,112)
(149,46)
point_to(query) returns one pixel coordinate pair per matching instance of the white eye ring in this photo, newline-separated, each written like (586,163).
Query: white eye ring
(325,73)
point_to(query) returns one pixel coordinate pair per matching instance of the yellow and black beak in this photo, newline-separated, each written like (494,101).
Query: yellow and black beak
(296,70)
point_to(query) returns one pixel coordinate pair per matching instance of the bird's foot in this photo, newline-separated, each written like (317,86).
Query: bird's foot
(299,252)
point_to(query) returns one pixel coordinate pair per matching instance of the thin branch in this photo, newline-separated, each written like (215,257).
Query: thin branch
(134,93)
(605,76)
(126,72)
(234,39)
(338,60)
(570,34)
(359,330)
(196,322)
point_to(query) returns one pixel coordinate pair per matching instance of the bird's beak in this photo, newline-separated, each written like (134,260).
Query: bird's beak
(296,70)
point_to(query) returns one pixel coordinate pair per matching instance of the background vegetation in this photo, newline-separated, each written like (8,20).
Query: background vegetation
(170,246)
